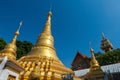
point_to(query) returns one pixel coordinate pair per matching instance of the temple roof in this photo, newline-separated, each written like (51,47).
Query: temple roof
(78,56)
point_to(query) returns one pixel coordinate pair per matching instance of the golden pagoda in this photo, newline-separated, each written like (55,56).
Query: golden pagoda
(10,49)
(9,68)
(95,72)
(42,63)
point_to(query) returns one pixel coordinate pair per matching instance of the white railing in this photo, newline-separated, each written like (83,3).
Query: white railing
(113,68)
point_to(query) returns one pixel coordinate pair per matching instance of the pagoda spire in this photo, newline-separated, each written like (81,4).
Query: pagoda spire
(47,28)
(103,36)
(16,34)
(106,45)
(46,38)
(45,41)
(10,49)
(93,63)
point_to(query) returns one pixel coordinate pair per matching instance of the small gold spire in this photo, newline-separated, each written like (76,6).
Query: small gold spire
(16,33)
(92,52)
(94,63)
(10,49)
(47,28)
(95,69)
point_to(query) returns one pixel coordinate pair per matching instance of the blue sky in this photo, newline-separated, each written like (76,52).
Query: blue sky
(74,23)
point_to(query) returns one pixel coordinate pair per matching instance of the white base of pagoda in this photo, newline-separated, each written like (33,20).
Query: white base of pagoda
(5,73)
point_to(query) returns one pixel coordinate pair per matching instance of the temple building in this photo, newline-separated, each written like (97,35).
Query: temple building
(105,44)
(9,67)
(42,62)
(80,62)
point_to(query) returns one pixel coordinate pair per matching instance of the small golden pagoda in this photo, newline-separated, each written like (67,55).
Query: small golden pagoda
(95,72)
(10,49)
(42,63)
(9,68)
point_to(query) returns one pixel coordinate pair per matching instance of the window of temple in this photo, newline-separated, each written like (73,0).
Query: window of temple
(10,77)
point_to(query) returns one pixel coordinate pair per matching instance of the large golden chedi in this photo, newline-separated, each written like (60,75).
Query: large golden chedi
(42,63)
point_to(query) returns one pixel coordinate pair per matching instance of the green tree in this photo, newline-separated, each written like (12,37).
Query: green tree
(98,54)
(110,57)
(23,47)
(2,43)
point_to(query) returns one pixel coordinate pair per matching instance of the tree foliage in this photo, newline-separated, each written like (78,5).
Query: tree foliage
(2,43)
(23,47)
(110,57)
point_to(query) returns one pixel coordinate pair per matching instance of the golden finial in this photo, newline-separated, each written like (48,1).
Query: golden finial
(18,30)
(17,33)
(49,15)
(91,49)
(92,52)
(50,12)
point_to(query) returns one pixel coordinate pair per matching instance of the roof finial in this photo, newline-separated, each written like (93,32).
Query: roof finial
(92,52)
(103,36)
(50,12)
(20,24)
(91,49)
(18,30)
(89,44)
(17,33)
(51,8)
